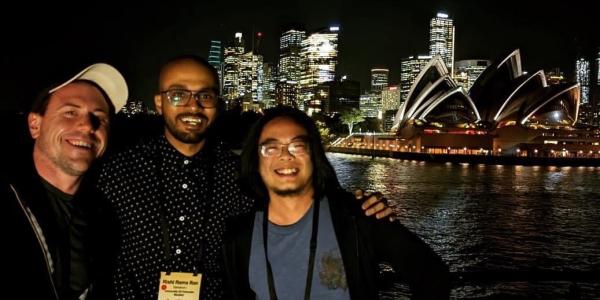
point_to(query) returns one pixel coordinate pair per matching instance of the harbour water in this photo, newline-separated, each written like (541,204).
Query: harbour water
(491,218)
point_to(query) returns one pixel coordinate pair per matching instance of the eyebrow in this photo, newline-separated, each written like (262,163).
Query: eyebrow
(299,138)
(181,87)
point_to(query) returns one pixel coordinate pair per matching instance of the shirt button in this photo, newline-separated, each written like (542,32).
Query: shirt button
(178,251)
(185,162)
(181,218)
(184,185)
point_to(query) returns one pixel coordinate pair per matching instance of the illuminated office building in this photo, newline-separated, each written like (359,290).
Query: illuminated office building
(269,84)
(582,76)
(320,54)
(598,68)
(286,93)
(290,58)
(441,39)
(390,98)
(232,68)
(370,105)
(214,54)
(251,78)
(379,79)
(409,70)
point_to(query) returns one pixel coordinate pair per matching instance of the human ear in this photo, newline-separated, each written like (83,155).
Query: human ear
(34,121)
(158,103)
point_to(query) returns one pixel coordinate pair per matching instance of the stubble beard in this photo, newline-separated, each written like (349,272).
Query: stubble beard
(186,137)
(61,162)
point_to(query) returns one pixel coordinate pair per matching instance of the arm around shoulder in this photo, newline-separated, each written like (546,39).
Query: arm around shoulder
(412,259)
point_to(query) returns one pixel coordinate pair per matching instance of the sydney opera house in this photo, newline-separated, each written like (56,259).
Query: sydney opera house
(506,112)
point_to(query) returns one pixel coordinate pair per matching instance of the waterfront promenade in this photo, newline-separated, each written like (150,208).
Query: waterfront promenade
(473,159)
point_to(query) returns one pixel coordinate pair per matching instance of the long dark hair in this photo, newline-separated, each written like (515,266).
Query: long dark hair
(323,178)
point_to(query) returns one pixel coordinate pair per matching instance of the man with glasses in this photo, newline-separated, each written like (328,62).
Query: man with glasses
(172,193)
(306,240)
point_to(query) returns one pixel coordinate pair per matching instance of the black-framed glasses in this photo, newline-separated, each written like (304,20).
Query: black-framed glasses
(271,149)
(181,97)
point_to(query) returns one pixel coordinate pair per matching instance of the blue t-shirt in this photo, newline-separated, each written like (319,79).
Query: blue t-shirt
(288,254)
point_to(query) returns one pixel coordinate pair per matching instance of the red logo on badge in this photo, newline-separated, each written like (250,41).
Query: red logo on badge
(163,287)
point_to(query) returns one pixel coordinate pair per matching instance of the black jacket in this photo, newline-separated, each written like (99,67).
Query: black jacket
(364,242)
(32,237)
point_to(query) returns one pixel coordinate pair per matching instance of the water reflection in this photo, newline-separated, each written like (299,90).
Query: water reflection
(494,217)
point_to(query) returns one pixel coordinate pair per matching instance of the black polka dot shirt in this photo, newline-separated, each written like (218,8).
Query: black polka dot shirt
(154,189)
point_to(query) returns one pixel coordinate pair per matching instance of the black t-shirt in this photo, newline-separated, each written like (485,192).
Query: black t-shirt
(71,257)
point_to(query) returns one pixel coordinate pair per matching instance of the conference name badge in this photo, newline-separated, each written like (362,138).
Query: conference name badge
(179,286)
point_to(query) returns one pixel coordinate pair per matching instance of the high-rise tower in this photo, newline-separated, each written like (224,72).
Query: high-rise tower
(232,68)
(214,59)
(441,39)
(320,54)
(409,70)
(379,79)
(598,67)
(290,60)
(582,75)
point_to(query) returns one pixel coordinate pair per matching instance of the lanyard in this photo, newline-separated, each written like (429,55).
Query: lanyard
(311,257)
(164,224)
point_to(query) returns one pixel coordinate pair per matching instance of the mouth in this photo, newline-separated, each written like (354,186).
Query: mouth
(192,121)
(287,171)
(80,144)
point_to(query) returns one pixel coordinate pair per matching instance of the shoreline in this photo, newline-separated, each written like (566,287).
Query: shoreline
(472,159)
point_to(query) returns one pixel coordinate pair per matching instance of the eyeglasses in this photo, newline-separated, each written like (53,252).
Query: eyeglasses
(275,149)
(181,97)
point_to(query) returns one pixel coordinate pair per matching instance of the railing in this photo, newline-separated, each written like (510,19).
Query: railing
(472,159)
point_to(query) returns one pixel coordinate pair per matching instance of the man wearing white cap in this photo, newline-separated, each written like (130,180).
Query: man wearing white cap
(49,218)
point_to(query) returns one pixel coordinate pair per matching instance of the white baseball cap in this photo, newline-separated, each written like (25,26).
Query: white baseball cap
(108,79)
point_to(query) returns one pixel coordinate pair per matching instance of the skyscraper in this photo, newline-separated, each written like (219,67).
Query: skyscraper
(582,75)
(441,39)
(379,79)
(232,67)
(214,54)
(409,70)
(214,59)
(320,54)
(269,83)
(290,59)
(370,105)
(286,93)
(598,68)
(251,74)
(390,98)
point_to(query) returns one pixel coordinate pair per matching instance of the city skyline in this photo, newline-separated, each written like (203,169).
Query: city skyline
(372,35)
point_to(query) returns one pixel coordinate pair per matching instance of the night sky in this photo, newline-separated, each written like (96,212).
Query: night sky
(43,43)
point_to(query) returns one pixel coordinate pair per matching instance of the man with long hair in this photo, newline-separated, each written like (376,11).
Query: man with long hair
(308,239)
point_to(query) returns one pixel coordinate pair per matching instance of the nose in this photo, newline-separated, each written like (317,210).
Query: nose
(285,152)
